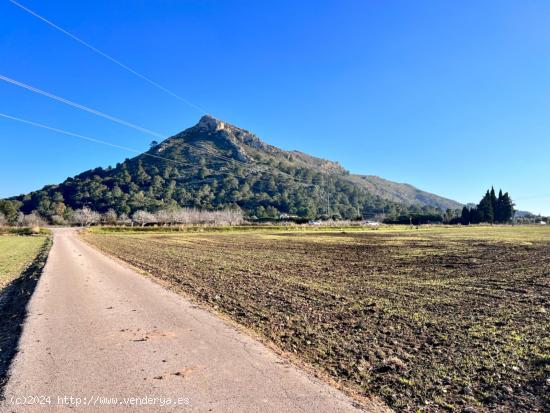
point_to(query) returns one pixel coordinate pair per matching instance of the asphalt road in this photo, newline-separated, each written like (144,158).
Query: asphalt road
(98,332)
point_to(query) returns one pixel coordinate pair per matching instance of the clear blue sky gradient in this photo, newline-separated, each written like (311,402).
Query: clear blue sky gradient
(452,97)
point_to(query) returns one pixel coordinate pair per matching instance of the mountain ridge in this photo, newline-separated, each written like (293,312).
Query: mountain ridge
(390,190)
(215,164)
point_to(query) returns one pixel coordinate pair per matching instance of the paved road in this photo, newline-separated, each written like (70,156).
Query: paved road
(98,329)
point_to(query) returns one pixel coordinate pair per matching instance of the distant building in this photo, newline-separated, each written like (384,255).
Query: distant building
(288,216)
(542,222)
(372,223)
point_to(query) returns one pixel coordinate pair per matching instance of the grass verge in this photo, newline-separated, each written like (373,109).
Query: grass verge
(22,259)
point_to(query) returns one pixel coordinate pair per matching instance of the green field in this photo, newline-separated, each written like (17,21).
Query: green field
(429,319)
(16,254)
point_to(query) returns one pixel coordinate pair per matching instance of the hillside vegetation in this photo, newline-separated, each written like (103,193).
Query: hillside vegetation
(213,165)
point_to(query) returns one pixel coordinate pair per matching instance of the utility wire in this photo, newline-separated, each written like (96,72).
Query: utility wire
(104,115)
(125,123)
(79,106)
(131,125)
(129,69)
(77,135)
(106,143)
(109,57)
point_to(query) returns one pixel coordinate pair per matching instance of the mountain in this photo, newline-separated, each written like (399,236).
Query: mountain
(216,165)
(524,214)
(403,193)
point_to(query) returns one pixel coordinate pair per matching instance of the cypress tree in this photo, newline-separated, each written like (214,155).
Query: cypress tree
(507,208)
(492,208)
(499,210)
(475,217)
(465,217)
(485,209)
(494,205)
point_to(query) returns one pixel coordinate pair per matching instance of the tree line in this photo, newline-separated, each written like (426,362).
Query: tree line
(86,217)
(152,184)
(491,209)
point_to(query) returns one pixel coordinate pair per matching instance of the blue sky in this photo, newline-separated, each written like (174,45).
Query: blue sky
(451,97)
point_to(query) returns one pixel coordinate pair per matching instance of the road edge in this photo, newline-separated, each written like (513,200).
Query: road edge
(14,299)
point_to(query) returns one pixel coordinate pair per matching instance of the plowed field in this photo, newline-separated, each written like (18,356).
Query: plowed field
(430,320)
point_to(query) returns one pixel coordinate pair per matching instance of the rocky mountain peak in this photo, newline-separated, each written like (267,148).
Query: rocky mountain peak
(209,123)
(232,134)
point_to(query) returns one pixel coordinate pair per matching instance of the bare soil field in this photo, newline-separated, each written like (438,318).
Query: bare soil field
(437,319)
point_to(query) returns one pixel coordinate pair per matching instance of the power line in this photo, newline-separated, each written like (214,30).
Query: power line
(109,57)
(90,139)
(106,143)
(128,124)
(134,72)
(77,135)
(104,115)
(79,106)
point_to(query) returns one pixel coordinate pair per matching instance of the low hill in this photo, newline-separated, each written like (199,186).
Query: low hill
(216,165)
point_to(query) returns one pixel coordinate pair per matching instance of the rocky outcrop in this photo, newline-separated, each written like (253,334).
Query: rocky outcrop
(210,124)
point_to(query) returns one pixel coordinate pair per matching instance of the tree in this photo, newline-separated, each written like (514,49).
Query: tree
(202,173)
(465,216)
(260,212)
(141,174)
(57,220)
(448,216)
(124,219)
(9,209)
(110,217)
(33,220)
(3,220)
(143,217)
(170,190)
(165,217)
(85,217)
(491,209)
(20,221)
(499,208)
(507,208)
(485,209)
(234,216)
(475,217)
(494,204)
(153,144)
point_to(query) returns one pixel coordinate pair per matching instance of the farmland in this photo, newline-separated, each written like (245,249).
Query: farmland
(434,319)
